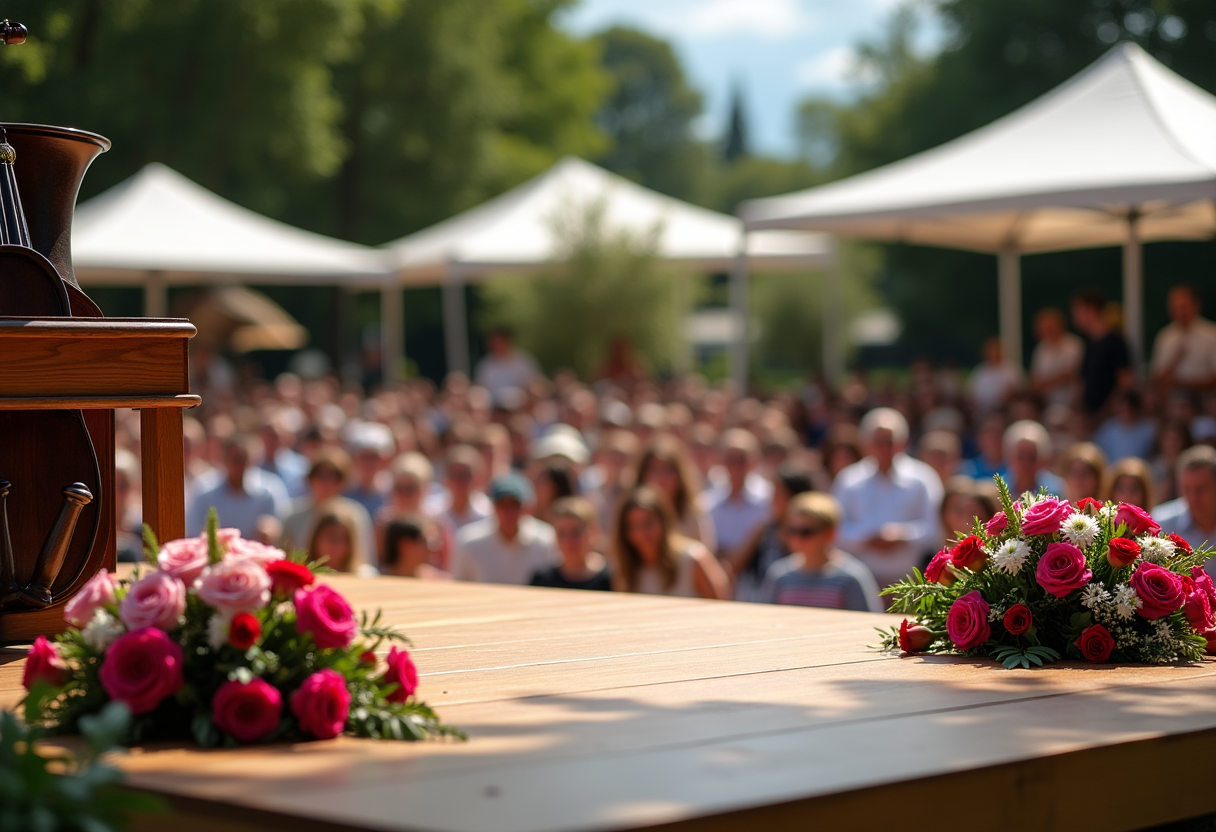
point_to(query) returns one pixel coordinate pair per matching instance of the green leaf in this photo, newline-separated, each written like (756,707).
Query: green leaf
(215,551)
(106,729)
(151,546)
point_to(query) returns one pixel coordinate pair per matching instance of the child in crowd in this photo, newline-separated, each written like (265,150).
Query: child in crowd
(576,528)
(818,574)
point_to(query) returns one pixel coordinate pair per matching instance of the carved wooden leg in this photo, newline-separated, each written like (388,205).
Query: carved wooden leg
(164,472)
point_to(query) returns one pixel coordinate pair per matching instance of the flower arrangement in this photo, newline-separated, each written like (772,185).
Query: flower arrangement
(229,641)
(1044,579)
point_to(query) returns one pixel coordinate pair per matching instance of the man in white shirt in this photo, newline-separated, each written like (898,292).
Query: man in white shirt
(994,381)
(1056,361)
(505,367)
(736,512)
(509,547)
(890,502)
(244,494)
(1184,354)
(1193,515)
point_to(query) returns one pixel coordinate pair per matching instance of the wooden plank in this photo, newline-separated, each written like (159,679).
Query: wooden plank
(96,402)
(55,366)
(163,467)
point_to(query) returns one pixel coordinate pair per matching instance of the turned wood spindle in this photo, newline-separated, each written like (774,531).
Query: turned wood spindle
(50,560)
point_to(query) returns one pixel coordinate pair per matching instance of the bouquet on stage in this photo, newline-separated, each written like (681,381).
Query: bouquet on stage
(229,641)
(1044,579)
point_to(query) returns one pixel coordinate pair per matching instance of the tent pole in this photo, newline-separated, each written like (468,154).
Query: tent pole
(833,354)
(738,305)
(1133,290)
(392,332)
(156,296)
(1009,279)
(455,324)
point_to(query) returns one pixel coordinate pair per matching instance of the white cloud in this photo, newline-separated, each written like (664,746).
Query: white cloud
(832,68)
(771,19)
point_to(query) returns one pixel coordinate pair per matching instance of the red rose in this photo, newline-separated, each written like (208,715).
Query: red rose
(244,630)
(1160,590)
(938,571)
(914,638)
(401,671)
(1196,606)
(1179,541)
(968,553)
(287,576)
(1210,635)
(325,614)
(367,657)
(1088,505)
(141,668)
(44,664)
(322,704)
(1136,519)
(1095,643)
(1122,551)
(1018,619)
(967,621)
(996,524)
(1062,569)
(1204,582)
(247,712)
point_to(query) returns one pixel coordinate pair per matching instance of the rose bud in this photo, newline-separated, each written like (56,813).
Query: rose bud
(1122,552)
(914,638)
(1088,505)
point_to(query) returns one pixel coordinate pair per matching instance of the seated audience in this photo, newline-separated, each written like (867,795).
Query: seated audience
(464,504)
(652,556)
(575,528)
(816,573)
(1084,470)
(1127,432)
(942,451)
(964,501)
(1106,362)
(993,381)
(666,467)
(1131,482)
(508,547)
(750,562)
(1184,352)
(1028,449)
(326,476)
(990,443)
(371,447)
(737,513)
(1173,438)
(553,481)
(336,539)
(410,546)
(240,496)
(1193,515)
(1056,361)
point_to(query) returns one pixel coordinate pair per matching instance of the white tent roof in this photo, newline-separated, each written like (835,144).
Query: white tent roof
(160,221)
(1062,172)
(516,230)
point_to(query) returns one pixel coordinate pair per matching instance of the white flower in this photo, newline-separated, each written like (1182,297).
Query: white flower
(1081,530)
(1163,630)
(1126,601)
(100,633)
(1010,556)
(1156,549)
(996,613)
(1095,596)
(1106,511)
(217,631)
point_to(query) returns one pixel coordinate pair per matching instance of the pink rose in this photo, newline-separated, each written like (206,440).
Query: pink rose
(44,664)
(184,559)
(401,671)
(939,570)
(1046,516)
(248,712)
(967,621)
(1159,589)
(95,594)
(1196,606)
(968,553)
(233,586)
(1096,643)
(1062,569)
(321,704)
(326,615)
(263,554)
(997,524)
(141,668)
(155,600)
(1136,519)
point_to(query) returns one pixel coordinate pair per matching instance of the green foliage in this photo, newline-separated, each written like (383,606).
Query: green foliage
(1024,657)
(607,287)
(45,790)
(151,546)
(215,551)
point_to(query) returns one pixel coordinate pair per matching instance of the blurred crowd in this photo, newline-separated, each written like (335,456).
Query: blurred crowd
(817,497)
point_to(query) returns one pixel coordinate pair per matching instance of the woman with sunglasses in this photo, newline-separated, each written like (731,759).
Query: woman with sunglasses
(817,574)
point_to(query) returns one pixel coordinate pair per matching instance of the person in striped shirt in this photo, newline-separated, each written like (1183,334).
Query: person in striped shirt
(817,574)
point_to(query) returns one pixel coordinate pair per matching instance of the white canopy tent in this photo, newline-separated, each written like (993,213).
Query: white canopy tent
(159,228)
(517,232)
(1124,152)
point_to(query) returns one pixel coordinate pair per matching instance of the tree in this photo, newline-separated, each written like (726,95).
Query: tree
(735,146)
(607,287)
(648,115)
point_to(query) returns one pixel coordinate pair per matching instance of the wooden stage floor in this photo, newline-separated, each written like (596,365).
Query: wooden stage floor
(600,711)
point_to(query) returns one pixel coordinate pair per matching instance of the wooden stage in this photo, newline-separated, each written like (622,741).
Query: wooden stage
(598,711)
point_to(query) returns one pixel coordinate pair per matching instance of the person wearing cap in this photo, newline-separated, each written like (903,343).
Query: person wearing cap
(371,447)
(509,546)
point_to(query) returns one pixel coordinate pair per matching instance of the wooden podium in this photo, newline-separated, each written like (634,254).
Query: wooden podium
(58,364)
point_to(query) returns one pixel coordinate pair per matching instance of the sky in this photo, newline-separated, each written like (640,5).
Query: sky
(777,51)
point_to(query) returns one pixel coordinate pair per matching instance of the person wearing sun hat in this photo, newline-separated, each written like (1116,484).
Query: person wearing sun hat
(509,546)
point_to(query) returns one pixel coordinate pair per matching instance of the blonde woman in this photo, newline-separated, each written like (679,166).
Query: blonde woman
(1131,481)
(335,537)
(666,466)
(653,558)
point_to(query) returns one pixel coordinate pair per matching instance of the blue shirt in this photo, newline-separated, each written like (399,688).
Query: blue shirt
(1118,440)
(263,493)
(843,583)
(1175,518)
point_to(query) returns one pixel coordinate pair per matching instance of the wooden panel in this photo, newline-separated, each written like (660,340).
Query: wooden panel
(98,402)
(92,366)
(599,711)
(164,468)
